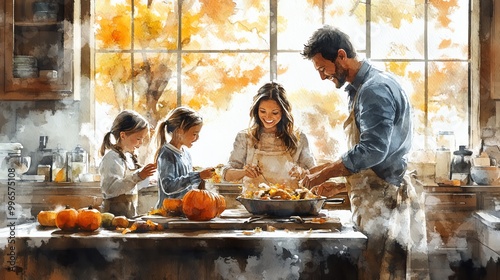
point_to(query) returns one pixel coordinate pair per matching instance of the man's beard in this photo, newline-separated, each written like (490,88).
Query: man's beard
(340,75)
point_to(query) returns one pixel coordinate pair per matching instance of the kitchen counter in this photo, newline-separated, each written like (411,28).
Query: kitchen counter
(183,254)
(469,188)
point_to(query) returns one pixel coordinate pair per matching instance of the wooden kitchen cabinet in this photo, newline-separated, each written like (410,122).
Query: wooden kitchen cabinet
(449,215)
(449,228)
(38,43)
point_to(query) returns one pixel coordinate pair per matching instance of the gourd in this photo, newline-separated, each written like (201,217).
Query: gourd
(201,204)
(89,219)
(47,218)
(106,219)
(67,218)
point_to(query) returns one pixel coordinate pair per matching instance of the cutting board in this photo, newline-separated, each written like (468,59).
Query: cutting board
(240,219)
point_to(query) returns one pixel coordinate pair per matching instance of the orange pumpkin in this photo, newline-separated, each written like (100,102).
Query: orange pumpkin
(47,218)
(221,204)
(202,205)
(172,205)
(89,219)
(66,219)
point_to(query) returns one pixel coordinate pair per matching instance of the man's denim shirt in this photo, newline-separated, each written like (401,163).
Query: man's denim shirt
(383,116)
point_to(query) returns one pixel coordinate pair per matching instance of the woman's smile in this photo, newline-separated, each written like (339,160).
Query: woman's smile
(269,114)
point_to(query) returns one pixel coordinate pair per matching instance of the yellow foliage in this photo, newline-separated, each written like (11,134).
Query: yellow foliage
(218,10)
(114,25)
(444,9)
(397,68)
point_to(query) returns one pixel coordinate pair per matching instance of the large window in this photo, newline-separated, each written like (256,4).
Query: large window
(213,55)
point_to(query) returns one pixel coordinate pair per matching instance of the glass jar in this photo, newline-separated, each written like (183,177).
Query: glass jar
(77,161)
(59,165)
(445,142)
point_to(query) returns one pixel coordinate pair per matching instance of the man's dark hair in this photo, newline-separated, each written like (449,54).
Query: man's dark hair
(327,40)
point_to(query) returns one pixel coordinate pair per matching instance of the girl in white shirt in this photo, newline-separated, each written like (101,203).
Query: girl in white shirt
(120,171)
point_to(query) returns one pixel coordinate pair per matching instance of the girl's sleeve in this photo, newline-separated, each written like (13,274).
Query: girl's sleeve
(113,179)
(174,176)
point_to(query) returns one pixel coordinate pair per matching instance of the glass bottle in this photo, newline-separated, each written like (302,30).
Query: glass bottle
(77,163)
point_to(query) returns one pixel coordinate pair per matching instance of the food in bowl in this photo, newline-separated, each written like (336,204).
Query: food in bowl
(278,191)
(485,175)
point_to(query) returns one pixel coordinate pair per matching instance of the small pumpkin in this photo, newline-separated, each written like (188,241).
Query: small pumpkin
(202,205)
(47,218)
(120,222)
(89,219)
(172,205)
(67,218)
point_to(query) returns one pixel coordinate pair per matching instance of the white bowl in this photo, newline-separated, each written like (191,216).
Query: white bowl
(485,175)
(87,177)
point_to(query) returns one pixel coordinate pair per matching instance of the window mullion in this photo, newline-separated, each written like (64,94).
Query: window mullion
(273,39)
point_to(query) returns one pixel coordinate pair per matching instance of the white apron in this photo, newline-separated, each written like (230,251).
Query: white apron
(387,214)
(274,162)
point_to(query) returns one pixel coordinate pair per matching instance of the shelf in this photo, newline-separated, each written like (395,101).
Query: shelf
(48,41)
(36,24)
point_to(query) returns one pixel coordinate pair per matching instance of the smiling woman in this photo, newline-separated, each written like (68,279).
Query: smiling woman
(213,62)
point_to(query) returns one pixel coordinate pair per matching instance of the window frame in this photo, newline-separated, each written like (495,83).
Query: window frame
(473,62)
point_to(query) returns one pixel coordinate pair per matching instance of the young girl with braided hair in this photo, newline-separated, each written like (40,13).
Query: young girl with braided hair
(121,173)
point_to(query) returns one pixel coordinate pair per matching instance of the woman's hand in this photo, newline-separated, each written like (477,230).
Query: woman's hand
(207,173)
(298,173)
(148,170)
(251,171)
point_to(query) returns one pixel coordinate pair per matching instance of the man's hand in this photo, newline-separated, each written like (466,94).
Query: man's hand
(328,189)
(312,180)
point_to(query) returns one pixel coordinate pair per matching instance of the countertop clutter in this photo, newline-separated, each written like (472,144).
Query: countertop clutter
(165,254)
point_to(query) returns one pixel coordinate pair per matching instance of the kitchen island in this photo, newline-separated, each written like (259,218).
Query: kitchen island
(48,253)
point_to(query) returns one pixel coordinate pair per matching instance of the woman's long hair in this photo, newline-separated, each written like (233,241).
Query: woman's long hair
(285,127)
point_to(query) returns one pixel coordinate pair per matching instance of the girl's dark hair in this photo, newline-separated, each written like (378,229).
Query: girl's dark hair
(127,121)
(327,41)
(285,130)
(179,118)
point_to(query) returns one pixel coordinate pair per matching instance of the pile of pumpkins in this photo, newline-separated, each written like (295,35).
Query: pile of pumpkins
(84,219)
(197,204)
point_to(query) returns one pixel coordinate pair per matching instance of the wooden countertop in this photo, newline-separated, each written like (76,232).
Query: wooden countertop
(344,235)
